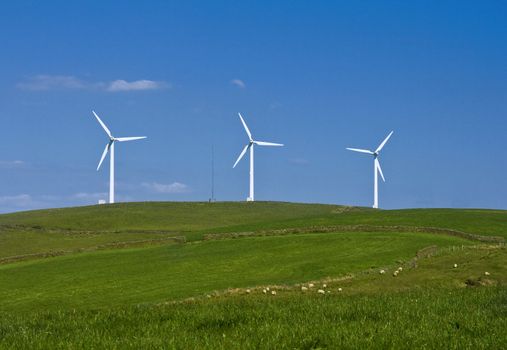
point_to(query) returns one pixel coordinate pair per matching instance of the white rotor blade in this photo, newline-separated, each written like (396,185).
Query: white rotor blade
(360,150)
(377,165)
(384,142)
(122,139)
(104,154)
(262,143)
(102,124)
(246,127)
(241,155)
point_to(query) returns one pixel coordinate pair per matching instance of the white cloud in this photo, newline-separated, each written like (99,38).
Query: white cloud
(298,161)
(239,83)
(17,201)
(68,82)
(138,85)
(50,82)
(274,105)
(28,202)
(175,187)
(12,164)
(90,196)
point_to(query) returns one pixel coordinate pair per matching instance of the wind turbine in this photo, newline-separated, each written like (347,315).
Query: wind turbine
(110,148)
(376,166)
(250,146)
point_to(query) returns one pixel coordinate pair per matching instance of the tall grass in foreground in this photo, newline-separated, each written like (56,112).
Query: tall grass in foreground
(473,318)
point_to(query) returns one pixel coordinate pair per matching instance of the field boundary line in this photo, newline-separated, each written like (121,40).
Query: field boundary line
(106,246)
(355,228)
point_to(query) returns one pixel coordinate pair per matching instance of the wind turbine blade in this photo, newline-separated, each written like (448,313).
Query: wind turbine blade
(384,142)
(360,150)
(102,124)
(262,143)
(122,139)
(241,155)
(246,127)
(104,154)
(377,165)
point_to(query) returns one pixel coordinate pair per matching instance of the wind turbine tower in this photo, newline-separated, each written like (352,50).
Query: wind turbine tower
(250,146)
(376,167)
(110,148)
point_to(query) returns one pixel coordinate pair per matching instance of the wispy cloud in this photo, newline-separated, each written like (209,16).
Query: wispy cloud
(90,196)
(298,161)
(51,82)
(12,164)
(175,187)
(93,198)
(239,83)
(26,201)
(274,105)
(68,82)
(18,201)
(138,85)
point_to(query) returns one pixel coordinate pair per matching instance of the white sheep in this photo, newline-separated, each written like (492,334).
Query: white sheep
(486,273)
(395,273)
(324,285)
(311,285)
(267,288)
(264,291)
(400,268)
(248,291)
(455,266)
(273,292)
(382,272)
(304,289)
(321,291)
(339,289)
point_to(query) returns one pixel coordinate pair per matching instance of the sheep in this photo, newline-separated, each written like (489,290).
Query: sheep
(400,268)
(311,285)
(267,288)
(321,291)
(455,266)
(248,291)
(273,292)
(395,273)
(264,291)
(324,285)
(339,289)
(304,289)
(382,272)
(486,273)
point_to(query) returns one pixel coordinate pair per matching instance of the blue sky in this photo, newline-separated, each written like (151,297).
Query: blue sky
(313,75)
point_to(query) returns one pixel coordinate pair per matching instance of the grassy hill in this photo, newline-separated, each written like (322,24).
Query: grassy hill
(157,274)
(427,307)
(176,275)
(237,216)
(70,229)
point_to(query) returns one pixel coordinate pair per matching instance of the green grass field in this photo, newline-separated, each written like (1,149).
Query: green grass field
(113,277)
